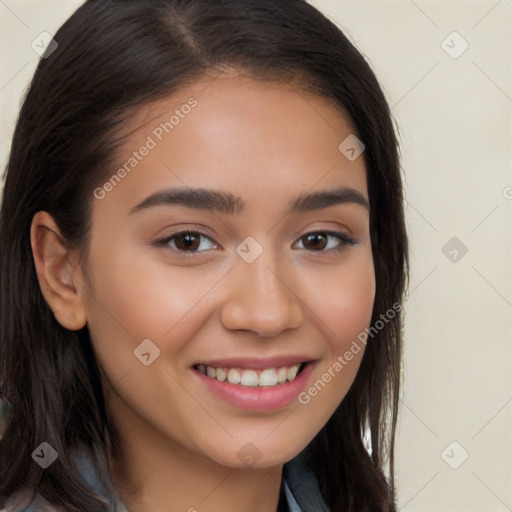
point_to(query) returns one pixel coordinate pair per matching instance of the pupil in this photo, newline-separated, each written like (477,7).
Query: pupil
(190,243)
(317,236)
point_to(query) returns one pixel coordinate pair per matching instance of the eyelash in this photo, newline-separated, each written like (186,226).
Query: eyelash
(342,237)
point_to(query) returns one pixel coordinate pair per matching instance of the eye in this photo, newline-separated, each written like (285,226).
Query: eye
(187,241)
(323,241)
(190,242)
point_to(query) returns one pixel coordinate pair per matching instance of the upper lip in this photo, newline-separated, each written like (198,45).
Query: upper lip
(257,363)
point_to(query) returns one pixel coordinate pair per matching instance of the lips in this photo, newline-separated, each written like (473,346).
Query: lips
(255,389)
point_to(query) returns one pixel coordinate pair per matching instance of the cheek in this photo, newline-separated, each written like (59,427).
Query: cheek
(136,298)
(344,304)
(134,301)
(141,298)
(343,299)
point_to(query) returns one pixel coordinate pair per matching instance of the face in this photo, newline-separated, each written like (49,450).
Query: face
(235,244)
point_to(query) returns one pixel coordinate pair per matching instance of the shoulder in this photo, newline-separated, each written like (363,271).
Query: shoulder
(301,487)
(27,501)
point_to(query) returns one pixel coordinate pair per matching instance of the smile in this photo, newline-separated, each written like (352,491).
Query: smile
(267,377)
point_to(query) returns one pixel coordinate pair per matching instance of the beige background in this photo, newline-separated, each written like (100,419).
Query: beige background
(455,120)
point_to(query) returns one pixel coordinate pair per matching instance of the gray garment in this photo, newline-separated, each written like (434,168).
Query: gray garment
(300,485)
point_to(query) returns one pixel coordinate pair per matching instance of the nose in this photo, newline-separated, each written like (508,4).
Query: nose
(261,300)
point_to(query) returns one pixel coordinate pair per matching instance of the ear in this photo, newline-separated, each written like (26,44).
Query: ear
(58,272)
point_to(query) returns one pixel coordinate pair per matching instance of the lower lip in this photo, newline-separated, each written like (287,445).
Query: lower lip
(256,398)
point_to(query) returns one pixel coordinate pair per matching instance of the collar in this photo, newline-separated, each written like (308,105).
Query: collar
(301,486)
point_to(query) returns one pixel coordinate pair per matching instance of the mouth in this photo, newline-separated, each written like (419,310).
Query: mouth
(270,377)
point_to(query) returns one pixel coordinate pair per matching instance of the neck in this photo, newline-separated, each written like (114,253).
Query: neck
(155,473)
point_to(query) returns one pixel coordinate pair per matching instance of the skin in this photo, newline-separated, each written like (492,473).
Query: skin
(267,143)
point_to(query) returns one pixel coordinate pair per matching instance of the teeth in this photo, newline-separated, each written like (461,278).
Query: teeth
(251,378)
(292,372)
(268,378)
(281,375)
(234,376)
(220,374)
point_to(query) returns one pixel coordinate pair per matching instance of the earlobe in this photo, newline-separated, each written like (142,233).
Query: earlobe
(57,271)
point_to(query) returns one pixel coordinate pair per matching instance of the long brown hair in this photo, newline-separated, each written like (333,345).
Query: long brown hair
(113,57)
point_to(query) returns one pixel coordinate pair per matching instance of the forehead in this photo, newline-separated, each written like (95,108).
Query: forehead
(231,131)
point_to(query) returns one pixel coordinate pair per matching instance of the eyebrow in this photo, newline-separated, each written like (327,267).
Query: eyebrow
(228,203)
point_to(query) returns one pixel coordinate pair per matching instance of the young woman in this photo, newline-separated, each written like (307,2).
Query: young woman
(203,264)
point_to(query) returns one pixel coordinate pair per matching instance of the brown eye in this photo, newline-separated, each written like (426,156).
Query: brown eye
(326,241)
(315,241)
(186,242)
